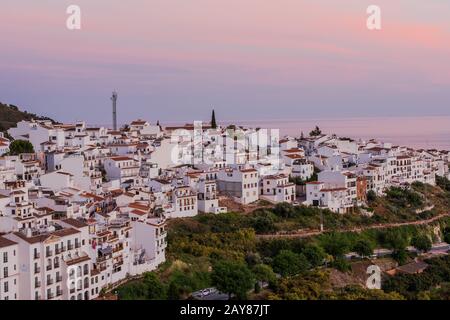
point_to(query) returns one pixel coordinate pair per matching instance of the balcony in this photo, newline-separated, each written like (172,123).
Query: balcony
(118,248)
(49,267)
(58,251)
(59,293)
(50,296)
(58,279)
(62,249)
(37,284)
(37,270)
(56,265)
(48,253)
(49,282)
(69,246)
(113,238)
(72,290)
(37,255)
(77,245)
(162,234)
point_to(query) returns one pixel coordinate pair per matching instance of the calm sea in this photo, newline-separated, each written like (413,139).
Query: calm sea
(416,132)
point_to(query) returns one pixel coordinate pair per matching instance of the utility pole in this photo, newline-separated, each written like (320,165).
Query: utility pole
(321,221)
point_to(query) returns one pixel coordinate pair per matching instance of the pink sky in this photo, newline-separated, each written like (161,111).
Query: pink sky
(175,59)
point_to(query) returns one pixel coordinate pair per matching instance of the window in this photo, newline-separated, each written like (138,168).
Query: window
(5,257)
(5,272)
(5,287)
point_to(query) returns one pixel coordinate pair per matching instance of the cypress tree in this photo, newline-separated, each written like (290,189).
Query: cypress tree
(213,120)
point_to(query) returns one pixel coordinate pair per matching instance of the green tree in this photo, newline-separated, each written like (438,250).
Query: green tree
(371,196)
(447,235)
(395,240)
(20,146)
(364,247)
(264,224)
(314,254)
(284,210)
(422,242)
(400,255)
(232,278)
(155,288)
(132,291)
(316,132)
(341,264)
(288,263)
(180,286)
(336,244)
(264,272)
(213,120)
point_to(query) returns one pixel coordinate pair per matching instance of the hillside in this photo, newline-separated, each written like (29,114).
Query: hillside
(10,115)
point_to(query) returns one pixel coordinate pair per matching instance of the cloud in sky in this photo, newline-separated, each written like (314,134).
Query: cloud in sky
(175,59)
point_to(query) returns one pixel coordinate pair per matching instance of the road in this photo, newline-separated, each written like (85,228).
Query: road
(307,234)
(437,248)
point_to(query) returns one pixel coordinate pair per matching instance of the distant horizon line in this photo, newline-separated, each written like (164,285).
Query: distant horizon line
(243,121)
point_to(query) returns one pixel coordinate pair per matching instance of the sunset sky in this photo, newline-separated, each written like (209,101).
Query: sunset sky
(249,59)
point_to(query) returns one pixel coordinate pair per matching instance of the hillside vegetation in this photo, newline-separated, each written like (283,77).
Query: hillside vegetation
(10,115)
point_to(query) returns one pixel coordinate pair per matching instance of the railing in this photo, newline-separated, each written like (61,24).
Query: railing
(69,246)
(77,245)
(59,293)
(37,284)
(48,253)
(58,278)
(118,248)
(101,259)
(49,282)
(49,267)
(37,270)
(56,265)
(37,255)
(162,234)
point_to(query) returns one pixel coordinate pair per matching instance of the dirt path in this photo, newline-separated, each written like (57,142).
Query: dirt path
(312,233)
(233,206)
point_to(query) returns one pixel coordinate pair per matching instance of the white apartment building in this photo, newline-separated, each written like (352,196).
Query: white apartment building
(9,269)
(241,184)
(277,188)
(333,198)
(121,168)
(302,168)
(184,203)
(207,197)
(48,257)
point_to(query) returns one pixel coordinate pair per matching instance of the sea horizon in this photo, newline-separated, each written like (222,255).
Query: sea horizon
(419,132)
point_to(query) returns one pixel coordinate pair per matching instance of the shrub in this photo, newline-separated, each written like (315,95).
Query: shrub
(288,263)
